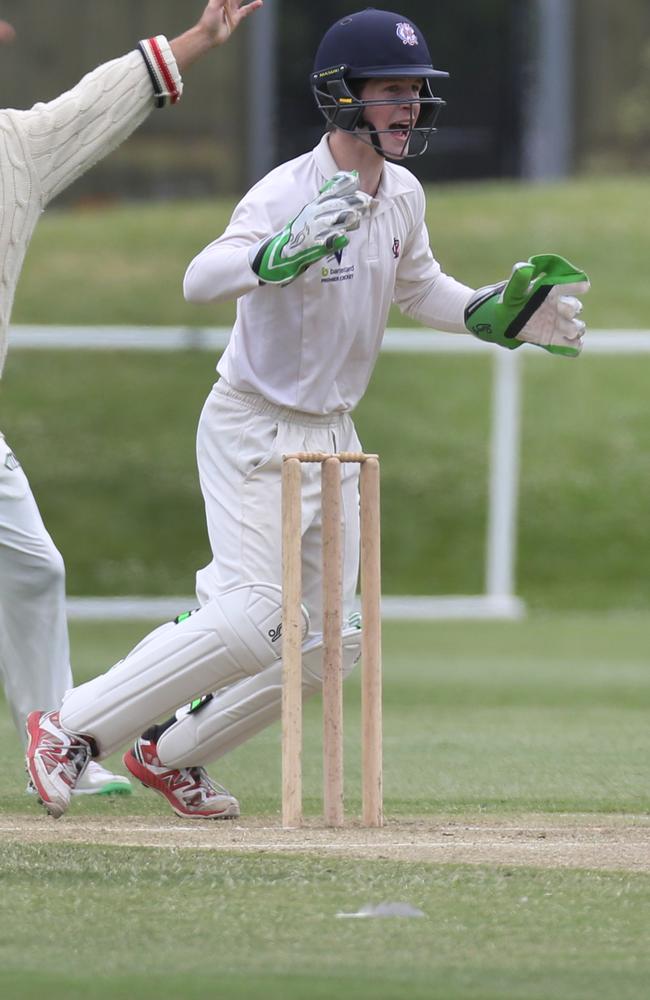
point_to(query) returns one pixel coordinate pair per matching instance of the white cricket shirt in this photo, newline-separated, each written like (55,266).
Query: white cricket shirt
(313,345)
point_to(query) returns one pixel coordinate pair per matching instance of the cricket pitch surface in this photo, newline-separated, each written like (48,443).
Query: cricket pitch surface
(606,842)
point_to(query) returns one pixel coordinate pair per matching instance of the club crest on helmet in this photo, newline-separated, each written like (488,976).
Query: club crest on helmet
(406,33)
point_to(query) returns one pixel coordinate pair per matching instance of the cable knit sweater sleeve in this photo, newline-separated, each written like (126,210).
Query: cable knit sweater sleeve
(69,134)
(45,149)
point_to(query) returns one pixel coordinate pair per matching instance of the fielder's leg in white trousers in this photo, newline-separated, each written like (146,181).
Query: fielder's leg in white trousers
(34,647)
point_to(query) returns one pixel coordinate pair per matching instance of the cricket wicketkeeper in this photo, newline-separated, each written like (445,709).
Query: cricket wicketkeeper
(314,255)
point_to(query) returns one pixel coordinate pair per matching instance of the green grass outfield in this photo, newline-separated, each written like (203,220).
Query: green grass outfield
(547,718)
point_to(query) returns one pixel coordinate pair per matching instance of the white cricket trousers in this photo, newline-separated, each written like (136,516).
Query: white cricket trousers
(240,443)
(34,647)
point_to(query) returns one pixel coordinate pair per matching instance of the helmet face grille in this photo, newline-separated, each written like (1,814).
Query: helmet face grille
(374,44)
(342,109)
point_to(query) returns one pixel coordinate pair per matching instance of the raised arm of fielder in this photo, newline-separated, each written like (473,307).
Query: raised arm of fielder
(69,134)
(216,25)
(43,150)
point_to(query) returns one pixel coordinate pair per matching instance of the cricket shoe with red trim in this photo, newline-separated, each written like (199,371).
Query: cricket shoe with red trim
(189,790)
(55,760)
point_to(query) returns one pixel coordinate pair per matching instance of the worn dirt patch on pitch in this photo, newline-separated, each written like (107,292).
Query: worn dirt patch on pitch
(602,842)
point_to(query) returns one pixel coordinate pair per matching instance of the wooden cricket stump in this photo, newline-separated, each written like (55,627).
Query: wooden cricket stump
(371,698)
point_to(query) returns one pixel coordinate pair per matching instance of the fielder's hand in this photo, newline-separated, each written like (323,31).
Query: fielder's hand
(318,231)
(7,33)
(538,305)
(221,17)
(215,26)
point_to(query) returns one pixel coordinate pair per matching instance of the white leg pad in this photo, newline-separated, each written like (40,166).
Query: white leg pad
(237,713)
(236,635)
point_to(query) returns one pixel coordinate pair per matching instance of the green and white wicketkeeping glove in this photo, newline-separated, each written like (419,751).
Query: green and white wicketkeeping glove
(316,232)
(537,305)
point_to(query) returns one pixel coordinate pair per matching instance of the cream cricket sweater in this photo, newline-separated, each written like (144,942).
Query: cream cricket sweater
(45,149)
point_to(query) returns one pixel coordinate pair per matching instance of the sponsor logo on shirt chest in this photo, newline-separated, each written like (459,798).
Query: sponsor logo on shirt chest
(335,270)
(328,274)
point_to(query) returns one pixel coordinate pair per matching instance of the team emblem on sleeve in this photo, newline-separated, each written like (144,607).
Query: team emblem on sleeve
(406,33)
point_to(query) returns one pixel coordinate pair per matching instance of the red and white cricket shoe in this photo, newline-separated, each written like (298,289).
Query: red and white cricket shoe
(189,790)
(55,760)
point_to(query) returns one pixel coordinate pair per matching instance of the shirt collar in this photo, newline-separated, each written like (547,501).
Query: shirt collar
(324,160)
(390,186)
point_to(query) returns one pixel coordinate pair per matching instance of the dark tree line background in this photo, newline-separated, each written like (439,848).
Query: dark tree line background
(488,47)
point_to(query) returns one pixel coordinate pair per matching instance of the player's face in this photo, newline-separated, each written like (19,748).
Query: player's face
(393,121)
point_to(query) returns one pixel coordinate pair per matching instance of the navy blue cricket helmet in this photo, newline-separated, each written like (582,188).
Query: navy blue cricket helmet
(374,44)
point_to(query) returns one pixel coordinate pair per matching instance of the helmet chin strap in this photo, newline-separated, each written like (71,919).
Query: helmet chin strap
(364,127)
(366,134)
